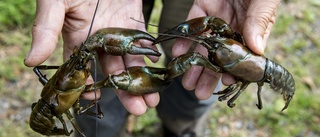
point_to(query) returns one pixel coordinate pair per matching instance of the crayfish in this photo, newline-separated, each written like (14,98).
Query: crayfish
(63,89)
(227,53)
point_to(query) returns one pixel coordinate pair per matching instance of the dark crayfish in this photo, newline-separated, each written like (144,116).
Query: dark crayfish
(63,89)
(227,53)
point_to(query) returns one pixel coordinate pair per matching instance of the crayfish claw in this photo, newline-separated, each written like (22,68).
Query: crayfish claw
(136,80)
(197,26)
(141,50)
(119,41)
(185,29)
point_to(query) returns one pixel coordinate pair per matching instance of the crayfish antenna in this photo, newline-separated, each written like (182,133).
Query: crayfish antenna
(149,24)
(172,36)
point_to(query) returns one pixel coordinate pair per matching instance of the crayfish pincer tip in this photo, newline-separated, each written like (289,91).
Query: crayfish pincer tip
(154,43)
(259,106)
(284,108)
(157,54)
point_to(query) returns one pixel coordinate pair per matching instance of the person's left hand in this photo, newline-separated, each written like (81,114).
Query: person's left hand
(73,19)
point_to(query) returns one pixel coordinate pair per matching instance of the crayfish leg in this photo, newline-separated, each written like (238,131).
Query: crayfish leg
(66,132)
(84,110)
(42,78)
(231,103)
(228,91)
(71,118)
(259,105)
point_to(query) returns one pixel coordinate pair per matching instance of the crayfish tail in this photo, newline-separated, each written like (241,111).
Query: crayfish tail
(280,79)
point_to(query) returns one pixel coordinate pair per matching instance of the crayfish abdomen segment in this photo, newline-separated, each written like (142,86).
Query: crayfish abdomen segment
(41,120)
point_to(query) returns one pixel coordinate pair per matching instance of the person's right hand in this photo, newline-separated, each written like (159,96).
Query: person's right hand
(73,19)
(251,18)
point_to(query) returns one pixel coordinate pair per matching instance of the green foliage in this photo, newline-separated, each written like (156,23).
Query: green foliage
(309,14)
(16,129)
(16,13)
(147,124)
(282,23)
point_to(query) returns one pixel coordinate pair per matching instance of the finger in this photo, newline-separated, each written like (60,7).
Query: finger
(46,29)
(134,104)
(196,11)
(260,17)
(110,64)
(152,100)
(181,46)
(206,84)
(227,79)
(191,77)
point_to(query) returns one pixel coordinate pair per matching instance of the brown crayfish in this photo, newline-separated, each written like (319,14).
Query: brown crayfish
(227,53)
(63,89)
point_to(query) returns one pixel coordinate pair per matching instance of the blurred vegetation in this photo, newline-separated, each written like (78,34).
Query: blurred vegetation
(294,43)
(16,21)
(16,13)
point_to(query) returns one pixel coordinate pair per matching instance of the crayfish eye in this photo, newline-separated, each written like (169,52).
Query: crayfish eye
(71,56)
(183,28)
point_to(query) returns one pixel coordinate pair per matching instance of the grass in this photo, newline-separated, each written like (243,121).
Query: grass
(16,14)
(294,43)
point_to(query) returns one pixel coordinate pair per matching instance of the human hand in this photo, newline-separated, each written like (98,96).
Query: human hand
(251,18)
(73,19)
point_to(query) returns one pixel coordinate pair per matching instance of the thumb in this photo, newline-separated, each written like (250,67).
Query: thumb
(46,29)
(259,20)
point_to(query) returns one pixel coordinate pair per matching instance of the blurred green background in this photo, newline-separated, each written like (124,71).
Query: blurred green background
(294,43)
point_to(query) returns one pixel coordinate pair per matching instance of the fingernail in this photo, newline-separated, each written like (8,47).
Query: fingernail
(259,43)
(26,59)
